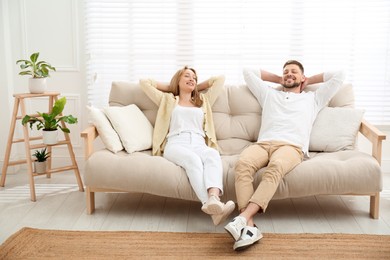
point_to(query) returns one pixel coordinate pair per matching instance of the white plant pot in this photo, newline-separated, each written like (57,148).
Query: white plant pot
(40,167)
(50,137)
(37,85)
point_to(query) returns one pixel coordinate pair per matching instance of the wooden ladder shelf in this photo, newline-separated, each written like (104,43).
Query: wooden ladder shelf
(19,103)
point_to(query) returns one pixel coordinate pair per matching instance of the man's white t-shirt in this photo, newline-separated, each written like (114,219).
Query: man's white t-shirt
(288,116)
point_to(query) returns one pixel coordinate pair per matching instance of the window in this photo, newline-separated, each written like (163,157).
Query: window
(131,39)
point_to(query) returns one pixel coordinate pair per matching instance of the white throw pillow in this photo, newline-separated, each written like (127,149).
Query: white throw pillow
(132,126)
(335,129)
(107,134)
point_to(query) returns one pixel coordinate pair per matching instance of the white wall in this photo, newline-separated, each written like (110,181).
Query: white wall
(386,150)
(55,29)
(6,79)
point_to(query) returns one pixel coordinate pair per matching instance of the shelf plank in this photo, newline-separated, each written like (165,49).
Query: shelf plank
(21,140)
(17,162)
(32,115)
(61,169)
(36,146)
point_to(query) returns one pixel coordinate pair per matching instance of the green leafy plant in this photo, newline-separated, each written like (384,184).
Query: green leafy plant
(51,121)
(35,68)
(41,155)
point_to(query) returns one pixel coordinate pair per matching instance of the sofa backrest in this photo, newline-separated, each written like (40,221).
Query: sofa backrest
(237,114)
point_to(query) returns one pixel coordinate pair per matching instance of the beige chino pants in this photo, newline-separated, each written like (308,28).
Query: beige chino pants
(279,157)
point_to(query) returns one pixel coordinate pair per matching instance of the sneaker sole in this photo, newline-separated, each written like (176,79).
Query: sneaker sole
(244,246)
(213,209)
(219,218)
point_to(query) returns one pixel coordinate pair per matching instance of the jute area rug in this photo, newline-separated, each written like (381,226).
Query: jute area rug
(29,243)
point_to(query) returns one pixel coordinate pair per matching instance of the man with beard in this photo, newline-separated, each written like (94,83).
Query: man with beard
(283,140)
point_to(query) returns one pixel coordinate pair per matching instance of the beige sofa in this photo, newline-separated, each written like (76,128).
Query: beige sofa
(237,118)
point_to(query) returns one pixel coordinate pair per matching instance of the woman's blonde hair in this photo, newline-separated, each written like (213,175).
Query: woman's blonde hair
(175,89)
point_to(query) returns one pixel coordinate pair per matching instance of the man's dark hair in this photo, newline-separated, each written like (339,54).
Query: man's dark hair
(294,62)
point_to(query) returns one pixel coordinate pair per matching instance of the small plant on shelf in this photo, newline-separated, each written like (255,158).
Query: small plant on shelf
(41,155)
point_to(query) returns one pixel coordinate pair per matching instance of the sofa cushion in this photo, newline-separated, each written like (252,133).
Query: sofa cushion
(137,172)
(237,117)
(125,93)
(338,173)
(107,134)
(326,137)
(133,128)
(343,172)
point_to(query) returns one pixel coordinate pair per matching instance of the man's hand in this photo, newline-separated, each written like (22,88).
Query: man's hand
(312,80)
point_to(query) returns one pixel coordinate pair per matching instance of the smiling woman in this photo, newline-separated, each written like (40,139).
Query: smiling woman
(128,40)
(184,134)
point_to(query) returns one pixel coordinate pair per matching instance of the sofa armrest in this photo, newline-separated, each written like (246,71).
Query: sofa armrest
(89,135)
(375,136)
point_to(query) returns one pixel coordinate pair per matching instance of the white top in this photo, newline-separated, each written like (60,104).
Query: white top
(288,116)
(186,119)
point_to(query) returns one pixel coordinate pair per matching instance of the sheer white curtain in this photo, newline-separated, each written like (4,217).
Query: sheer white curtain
(130,39)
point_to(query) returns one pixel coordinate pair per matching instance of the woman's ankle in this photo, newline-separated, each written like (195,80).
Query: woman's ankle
(214,192)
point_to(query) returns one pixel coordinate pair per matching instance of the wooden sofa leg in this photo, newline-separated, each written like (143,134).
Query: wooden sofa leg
(90,201)
(374,206)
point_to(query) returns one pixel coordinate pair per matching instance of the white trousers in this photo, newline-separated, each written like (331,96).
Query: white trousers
(202,164)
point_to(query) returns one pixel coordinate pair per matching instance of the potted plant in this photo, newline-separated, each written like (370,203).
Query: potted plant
(50,122)
(39,70)
(40,162)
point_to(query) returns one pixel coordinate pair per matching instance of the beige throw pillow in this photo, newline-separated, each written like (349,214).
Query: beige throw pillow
(107,134)
(132,126)
(335,129)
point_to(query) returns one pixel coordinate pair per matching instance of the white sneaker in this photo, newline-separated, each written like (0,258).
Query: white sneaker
(227,210)
(213,206)
(235,227)
(250,235)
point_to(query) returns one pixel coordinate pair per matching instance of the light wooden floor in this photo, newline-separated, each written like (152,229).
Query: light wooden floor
(61,206)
